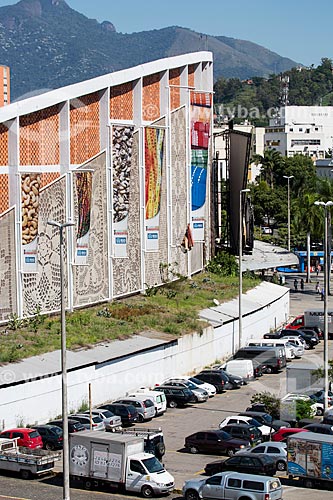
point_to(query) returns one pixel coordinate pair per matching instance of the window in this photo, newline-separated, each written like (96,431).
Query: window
(137,467)
(247,461)
(291,130)
(234,483)
(214,480)
(200,435)
(273,449)
(260,449)
(211,437)
(253,485)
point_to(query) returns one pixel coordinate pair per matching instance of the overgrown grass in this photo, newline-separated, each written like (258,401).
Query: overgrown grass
(173,310)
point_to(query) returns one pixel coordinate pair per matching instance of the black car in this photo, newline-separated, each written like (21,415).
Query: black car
(214,441)
(127,413)
(245,463)
(73,425)
(265,418)
(52,436)
(320,428)
(215,377)
(176,396)
(249,433)
(233,381)
(310,339)
(310,332)
(318,397)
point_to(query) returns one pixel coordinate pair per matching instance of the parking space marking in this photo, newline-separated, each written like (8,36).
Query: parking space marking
(199,472)
(12,498)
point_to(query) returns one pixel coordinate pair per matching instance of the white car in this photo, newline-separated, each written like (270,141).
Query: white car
(290,398)
(210,388)
(239,419)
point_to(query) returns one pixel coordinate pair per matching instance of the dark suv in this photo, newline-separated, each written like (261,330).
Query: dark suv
(214,441)
(249,433)
(265,419)
(73,425)
(127,413)
(218,379)
(52,436)
(176,396)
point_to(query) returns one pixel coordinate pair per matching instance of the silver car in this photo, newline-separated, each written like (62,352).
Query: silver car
(200,395)
(275,449)
(111,422)
(144,406)
(233,486)
(84,419)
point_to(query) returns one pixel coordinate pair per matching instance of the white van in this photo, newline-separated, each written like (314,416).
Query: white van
(241,367)
(289,349)
(157,396)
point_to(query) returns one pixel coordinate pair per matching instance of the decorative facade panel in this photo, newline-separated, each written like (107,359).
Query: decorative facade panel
(4,192)
(91,282)
(42,289)
(127,271)
(174,79)
(84,128)
(3,145)
(121,102)
(191,72)
(39,137)
(48,177)
(151,97)
(8,285)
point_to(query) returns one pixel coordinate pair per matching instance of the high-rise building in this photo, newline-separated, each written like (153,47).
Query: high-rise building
(4,86)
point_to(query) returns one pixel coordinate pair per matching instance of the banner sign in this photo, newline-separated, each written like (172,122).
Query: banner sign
(122,144)
(30,186)
(201,105)
(83,182)
(154,155)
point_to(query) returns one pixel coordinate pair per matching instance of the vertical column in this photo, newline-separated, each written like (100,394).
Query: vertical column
(183,85)
(64,137)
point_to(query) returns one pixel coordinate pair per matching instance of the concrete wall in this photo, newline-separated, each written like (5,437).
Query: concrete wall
(40,400)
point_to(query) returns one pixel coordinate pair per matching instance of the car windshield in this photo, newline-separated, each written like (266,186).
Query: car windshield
(107,414)
(224,435)
(190,385)
(57,430)
(255,422)
(196,381)
(267,418)
(33,434)
(153,465)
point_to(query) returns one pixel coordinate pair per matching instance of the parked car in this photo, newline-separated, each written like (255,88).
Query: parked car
(73,425)
(200,395)
(310,339)
(210,388)
(176,396)
(320,428)
(311,332)
(96,423)
(245,463)
(236,380)
(318,397)
(240,486)
(157,396)
(214,441)
(29,438)
(144,406)
(274,449)
(290,398)
(228,383)
(271,359)
(52,436)
(283,433)
(127,413)
(215,378)
(243,368)
(239,419)
(266,419)
(243,431)
(111,422)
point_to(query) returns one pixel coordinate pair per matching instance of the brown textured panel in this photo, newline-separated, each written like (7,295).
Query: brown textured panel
(121,102)
(4,193)
(39,137)
(48,177)
(151,97)
(8,302)
(191,71)
(174,79)
(84,128)
(3,145)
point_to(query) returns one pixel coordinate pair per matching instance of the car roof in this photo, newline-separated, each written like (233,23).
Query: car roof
(19,429)
(253,412)
(245,426)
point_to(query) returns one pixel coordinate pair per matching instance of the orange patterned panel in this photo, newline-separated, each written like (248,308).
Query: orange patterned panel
(84,127)
(48,177)
(4,194)
(121,102)
(191,71)
(174,79)
(151,97)
(39,137)
(3,145)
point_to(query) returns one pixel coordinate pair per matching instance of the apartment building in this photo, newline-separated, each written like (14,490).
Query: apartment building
(4,86)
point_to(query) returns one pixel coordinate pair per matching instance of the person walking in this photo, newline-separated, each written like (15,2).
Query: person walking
(322,293)
(296,284)
(318,287)
(302,285)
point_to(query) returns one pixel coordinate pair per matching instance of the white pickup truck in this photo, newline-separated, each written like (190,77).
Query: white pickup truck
(25,461)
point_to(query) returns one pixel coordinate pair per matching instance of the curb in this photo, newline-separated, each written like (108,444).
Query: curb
(177,490)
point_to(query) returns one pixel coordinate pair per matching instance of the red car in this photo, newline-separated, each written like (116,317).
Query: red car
(29,438)
(283,433)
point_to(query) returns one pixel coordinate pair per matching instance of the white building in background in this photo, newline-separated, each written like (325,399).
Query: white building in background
(306,130)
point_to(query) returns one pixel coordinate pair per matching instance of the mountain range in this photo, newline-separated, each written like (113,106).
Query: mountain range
(47,45)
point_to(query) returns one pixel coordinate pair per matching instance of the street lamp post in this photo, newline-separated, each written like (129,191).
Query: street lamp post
(240,291)
(326,263)
(288,177)
(66,491)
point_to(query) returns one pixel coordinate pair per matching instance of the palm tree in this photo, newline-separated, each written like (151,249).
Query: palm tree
(268,162)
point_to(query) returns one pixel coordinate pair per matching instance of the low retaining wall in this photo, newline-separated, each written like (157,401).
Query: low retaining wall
(37,401)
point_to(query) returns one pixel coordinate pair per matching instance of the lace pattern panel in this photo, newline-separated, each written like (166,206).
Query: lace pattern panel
(90,283)
(179,184)
(197,257)
(8,284)
(154,259)
(126,273)
(43,288)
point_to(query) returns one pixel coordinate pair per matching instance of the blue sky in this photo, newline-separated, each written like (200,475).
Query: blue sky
(298,29)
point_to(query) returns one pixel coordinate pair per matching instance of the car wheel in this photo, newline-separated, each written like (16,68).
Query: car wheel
(160,450)
(308,483)
(173,404)
(25,474)
(49,446)
(140,418)
(319,411)
(230,452)
(269,369)
(192,495)
(193,449)
(147,491)
(88,484)
(280,465)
